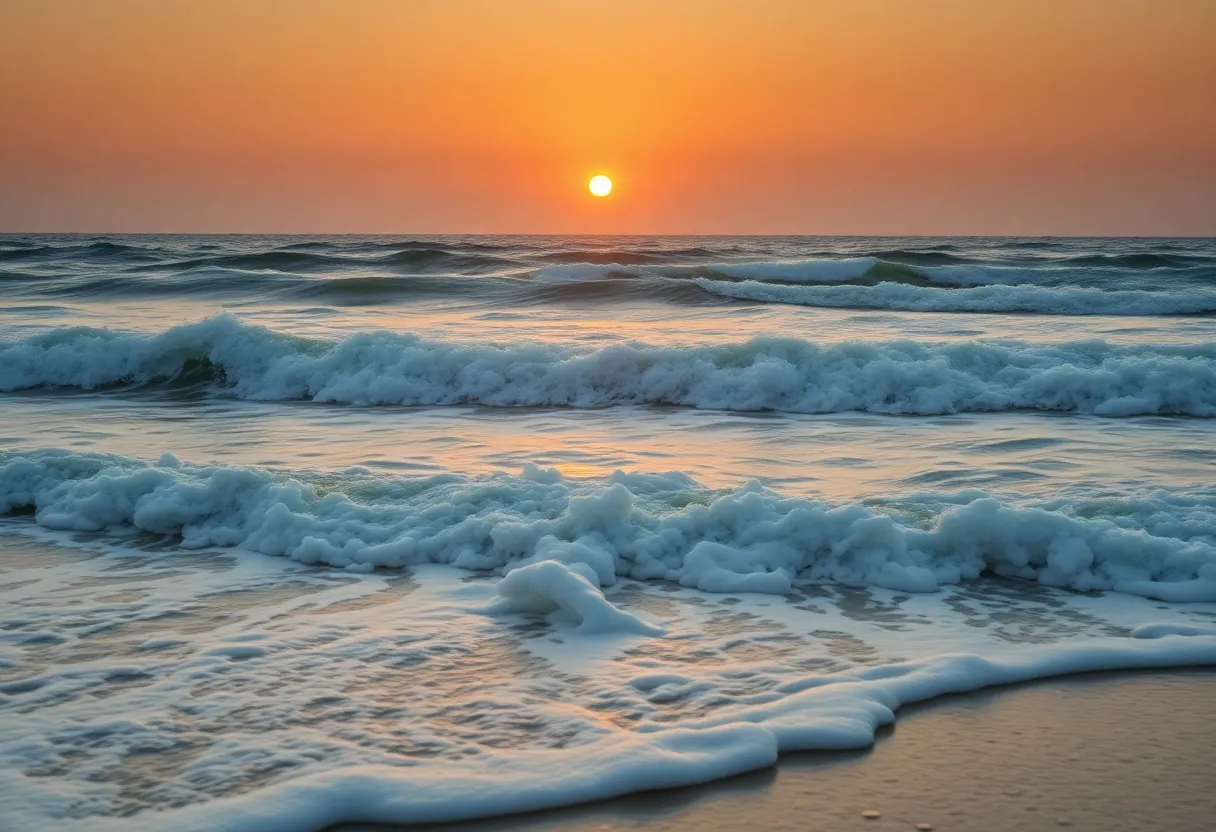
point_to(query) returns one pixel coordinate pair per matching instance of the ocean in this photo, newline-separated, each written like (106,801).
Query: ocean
(307,530)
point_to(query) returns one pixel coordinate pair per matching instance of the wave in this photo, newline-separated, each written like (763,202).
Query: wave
(28,252)
(378,245)
(1029,298)
(385,368)
(303,261)
(300,258)
(419,706)
(100,250)
(214,282)
(373,290)
(937,256)
(588,272)
(867,270)
(210,283)
(622,288)
(806,271)
(899,274)
(280,261)
(15,276)
(910,265)
(1095,254)
(629,258)
(1137,261)
(656,527)
(843,270)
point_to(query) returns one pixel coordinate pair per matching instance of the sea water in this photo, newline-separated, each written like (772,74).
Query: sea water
(301,530)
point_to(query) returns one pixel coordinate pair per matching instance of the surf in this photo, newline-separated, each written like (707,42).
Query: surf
(381,368)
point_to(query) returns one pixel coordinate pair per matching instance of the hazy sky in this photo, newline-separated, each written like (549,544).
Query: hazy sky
(711,116)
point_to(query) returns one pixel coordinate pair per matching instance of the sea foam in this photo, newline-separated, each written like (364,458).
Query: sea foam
(751,540)
(781,374)
(416,708)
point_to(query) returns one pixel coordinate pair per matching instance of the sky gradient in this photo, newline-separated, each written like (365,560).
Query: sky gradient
(712,116)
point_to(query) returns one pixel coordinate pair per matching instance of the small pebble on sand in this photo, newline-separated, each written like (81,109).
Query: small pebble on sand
(871,814)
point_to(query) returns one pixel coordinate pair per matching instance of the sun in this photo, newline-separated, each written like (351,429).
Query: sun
(600,185)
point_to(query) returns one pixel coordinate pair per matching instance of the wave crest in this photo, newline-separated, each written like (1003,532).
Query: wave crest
(1024,298)
(385,368)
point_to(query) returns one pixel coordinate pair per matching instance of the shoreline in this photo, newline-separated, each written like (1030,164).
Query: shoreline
(1115,750)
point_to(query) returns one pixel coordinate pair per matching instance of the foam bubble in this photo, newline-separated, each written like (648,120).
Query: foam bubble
(567,595)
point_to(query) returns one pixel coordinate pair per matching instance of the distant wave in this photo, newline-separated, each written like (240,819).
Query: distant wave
(1134,261)
(283,254)
(828,271)
(947,289)
(301,258)
(806,271)
(1043,300)
(639,526)
(284,261)
(587,272)
(629,258)
(384,368)
(936,270)
(305,262)
(1028,276)
(871,283)
(373,290)
(100,250)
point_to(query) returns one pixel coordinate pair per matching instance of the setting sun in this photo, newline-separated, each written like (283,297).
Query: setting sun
(600,185)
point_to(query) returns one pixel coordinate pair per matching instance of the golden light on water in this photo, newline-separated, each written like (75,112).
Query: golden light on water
(600,185)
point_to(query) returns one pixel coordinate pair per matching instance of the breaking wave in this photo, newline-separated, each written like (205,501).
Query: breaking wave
(764,374)
(386,368)
(639,526)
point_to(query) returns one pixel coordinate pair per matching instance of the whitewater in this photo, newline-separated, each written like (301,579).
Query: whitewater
(384,368)
(297,531)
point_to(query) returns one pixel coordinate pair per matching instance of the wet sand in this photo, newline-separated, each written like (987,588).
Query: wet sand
(1111,752)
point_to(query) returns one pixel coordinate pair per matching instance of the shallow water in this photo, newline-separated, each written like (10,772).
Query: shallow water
(752,495)
(1120,753)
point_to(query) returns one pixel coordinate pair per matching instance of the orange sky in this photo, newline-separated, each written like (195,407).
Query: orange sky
(712,116)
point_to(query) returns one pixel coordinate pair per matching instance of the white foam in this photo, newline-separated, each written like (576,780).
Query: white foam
(383,368)
(1162,629)
(567,595)
(713,567)
(444,792)
(1159,546)
(274,696)
(1202,587)
(844,712)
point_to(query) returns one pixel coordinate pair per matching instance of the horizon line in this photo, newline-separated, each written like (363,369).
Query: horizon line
(4,233)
